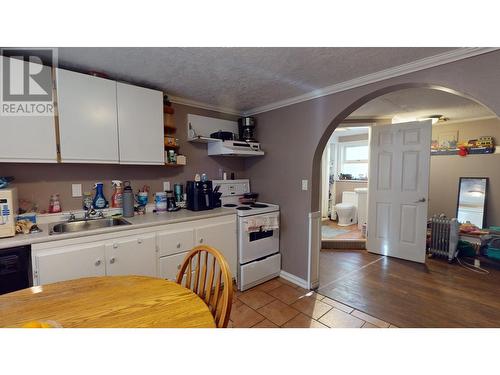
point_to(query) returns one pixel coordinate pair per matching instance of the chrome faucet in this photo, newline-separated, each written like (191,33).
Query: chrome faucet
(91,212)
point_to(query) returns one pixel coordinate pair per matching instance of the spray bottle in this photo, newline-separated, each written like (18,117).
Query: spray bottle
(117,197)
(99,201)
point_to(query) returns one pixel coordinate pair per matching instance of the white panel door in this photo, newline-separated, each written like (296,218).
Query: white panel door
(140,125)
(398,187)
(87,118)
(221,236)
(135,255)
(69,262)
(27,138)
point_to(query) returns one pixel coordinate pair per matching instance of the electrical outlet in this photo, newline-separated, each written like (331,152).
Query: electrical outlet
(477,263)
(76,190)
(304,185)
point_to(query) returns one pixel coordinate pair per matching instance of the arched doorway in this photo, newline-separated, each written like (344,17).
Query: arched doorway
(316,168)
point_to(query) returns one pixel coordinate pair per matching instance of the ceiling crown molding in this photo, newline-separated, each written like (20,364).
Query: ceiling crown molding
(210,107)
(414,66)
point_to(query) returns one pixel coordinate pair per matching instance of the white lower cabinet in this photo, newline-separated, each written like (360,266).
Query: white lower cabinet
(131,255)
(154,251)
(170,265)
(221,236)
(135,255)
(68,262)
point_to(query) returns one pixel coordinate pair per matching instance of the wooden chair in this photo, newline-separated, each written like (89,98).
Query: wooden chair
(209,267)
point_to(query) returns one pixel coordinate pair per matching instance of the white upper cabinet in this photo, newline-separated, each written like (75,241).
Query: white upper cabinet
(87,118)
(140,125)
(27,138)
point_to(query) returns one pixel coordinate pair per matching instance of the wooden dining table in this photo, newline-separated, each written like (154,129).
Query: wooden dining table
(107,302)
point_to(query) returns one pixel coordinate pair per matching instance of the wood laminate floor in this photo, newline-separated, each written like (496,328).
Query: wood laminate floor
(408,294)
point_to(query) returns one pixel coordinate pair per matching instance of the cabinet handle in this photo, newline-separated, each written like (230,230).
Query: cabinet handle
(139,240)
(201,240)
(97,263)
(112,260)
(178,266)
(115,245)
(178,245)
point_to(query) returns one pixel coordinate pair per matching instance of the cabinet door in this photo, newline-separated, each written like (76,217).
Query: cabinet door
(69,262)
(221,236)
(134,255)
(87,118)
(140,125)
(27,138)
(169,266)
(175,241)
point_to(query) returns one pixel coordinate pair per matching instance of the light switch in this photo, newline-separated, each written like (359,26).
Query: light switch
(76,190)
(304,185)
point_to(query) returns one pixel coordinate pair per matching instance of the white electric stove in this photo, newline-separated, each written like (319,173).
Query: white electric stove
(259,259)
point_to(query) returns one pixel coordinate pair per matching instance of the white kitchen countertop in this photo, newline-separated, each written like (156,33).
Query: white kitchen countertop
(137,222)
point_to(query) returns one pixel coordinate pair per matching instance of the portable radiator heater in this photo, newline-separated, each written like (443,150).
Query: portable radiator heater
(444,237)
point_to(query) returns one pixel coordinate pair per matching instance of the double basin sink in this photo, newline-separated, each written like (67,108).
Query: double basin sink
(84,225)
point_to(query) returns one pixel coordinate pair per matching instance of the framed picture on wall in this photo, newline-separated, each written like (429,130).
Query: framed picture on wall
(472,199)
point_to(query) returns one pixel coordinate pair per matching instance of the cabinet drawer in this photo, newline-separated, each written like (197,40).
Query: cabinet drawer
(174,242)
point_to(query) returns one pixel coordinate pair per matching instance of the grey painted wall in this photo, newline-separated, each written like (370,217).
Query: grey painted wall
(295,136)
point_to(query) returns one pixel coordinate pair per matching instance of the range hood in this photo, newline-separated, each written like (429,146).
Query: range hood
(234,148)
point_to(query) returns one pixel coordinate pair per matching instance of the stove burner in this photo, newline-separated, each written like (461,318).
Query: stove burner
(230,205)
(243,208)
(259,205)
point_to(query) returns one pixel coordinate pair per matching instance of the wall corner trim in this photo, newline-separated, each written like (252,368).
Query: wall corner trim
(210,107)
(414,66)
(294,279)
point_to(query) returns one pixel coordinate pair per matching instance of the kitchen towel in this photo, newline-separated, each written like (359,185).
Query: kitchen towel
(263,223)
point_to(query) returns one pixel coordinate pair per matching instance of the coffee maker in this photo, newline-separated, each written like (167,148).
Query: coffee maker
(246,127)
(199,195)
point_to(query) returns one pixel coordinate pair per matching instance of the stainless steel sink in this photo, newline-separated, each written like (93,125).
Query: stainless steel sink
(83,225)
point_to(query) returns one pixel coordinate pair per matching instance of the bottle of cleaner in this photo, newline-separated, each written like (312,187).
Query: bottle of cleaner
(117,197)
(99,201)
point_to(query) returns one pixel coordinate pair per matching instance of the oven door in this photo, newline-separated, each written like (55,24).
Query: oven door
(255,245)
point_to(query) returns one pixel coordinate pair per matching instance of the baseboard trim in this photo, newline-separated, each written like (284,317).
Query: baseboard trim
(294,279)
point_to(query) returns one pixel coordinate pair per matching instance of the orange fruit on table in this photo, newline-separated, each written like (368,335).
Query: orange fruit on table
(36,324)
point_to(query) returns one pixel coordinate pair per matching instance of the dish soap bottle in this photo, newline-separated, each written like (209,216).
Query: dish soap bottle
(117,197)
(99,201)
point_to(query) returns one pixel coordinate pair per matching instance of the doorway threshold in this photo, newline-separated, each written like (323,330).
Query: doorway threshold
(353,244)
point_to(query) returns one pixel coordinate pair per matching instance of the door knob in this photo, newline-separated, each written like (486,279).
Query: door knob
(421,200)
(112,260)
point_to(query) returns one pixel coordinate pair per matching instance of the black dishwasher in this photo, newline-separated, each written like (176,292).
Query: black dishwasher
(15,268)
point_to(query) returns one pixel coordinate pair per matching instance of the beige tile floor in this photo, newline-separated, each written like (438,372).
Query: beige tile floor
(279,303)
